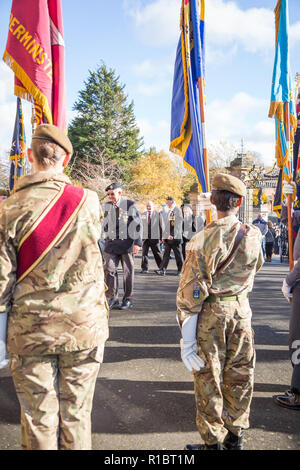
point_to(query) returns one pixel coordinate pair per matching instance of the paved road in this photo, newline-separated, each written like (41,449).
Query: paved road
(144,395)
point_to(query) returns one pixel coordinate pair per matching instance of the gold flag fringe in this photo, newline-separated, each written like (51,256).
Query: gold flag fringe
(34,94)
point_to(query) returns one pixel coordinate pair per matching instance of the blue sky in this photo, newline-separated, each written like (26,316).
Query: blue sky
(138,38)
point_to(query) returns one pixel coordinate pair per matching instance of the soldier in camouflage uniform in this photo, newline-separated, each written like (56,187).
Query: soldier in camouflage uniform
(57,313)
(215,318)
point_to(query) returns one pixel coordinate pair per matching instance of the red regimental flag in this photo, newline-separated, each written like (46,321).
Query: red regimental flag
(58,60)
(35,52)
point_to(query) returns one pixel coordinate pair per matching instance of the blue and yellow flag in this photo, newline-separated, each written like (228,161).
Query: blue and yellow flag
(187,128)
(297,144)
(18,158)
(282,105)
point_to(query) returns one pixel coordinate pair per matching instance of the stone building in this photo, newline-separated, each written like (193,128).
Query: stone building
(255,177)
(241,167)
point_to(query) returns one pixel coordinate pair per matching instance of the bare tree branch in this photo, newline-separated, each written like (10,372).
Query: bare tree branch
(96,176)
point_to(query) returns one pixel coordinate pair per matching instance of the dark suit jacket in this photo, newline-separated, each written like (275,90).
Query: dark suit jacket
(122,227)
(172,224)
(152,231)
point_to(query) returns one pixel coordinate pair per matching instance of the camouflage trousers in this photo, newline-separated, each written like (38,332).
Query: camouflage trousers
(224,387)
(56,394)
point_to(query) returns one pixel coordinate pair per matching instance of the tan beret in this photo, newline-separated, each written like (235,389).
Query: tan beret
(225,182)
(53,134)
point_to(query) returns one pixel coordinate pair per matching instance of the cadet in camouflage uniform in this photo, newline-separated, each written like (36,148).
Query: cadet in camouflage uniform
(215,318)
(57,314)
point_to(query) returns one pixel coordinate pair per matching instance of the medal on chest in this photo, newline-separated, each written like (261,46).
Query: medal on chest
(172,219)
(123,215)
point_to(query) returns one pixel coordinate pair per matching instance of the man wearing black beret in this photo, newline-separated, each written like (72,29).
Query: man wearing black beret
(123,238)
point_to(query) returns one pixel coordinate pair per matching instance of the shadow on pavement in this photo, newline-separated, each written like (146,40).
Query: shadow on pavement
(120,354)
(138,407)
(264,334)
(145,334)
(266,415)
(9,403)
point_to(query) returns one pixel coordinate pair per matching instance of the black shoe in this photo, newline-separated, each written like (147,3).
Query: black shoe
(233,442)
(144,271)
(126,304)
(161,272)
(217,446)
(113,303)
(292,402)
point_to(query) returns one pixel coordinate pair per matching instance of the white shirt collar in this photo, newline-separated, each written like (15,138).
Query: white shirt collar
(118,202)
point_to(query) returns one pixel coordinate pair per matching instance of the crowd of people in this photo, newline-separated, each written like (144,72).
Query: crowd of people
(56,291)
(125,231)
(270,236)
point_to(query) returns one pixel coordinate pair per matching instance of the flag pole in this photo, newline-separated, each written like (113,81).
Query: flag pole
(290,230)
(33,119)
(15,173)
(289,196)
(15,165)
(205,157)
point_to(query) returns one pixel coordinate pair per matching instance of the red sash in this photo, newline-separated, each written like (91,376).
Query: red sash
(49,228)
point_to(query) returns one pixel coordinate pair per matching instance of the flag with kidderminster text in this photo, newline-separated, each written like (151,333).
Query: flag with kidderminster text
(35,51)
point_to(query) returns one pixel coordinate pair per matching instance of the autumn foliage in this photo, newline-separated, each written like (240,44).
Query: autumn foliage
(155,176)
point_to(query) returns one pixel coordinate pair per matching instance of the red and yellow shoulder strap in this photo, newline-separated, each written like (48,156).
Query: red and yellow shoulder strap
(49,228)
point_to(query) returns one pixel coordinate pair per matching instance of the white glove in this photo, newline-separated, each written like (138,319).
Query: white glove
(286,290)
(288,188)
(188,344)
(3,351)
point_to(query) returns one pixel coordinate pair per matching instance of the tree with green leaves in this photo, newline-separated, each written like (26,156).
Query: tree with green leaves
(105,123)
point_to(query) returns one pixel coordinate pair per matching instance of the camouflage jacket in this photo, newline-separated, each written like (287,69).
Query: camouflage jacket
(60,306)
(206,251)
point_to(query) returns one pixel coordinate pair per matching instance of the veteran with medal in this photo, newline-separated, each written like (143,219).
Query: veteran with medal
(152,234)
(122,230)
(52,294)
(172,222)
